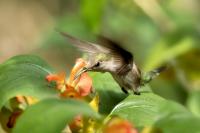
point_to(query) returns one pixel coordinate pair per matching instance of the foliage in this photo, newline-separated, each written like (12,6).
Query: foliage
(18,75)
(157,32)
(53,114)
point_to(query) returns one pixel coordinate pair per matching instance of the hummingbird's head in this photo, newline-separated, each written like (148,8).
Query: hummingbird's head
(99,63)
(91,66)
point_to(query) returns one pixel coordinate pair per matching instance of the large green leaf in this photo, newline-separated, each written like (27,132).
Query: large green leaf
(24,75)
(178,123)
(193,103)
(51,116)
(145,109)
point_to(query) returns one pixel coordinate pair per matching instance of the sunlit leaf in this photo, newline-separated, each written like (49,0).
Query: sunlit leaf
(51,116)
(178,123)
(166,53)
(145,109)
(24,75)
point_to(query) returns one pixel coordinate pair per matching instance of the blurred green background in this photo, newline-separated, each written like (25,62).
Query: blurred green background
(156,31)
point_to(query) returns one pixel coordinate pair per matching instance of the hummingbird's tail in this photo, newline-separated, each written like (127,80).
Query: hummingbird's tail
(147,77)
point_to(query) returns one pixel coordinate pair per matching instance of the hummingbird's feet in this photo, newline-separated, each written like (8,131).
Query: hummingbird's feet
(136,93)
(124,90)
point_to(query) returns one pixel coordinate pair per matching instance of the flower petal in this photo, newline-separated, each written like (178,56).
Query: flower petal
(80,63)
(70,92)
(60,77)
(84,85)
(20,99)
(95,103)
(118,125)
(76,124)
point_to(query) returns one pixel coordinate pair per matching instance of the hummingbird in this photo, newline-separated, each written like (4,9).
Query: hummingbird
(110,57)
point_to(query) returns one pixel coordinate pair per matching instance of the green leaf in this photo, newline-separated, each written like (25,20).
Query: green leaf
(178,123)
(109,92)
(193,103)
(24,75)
(166,53)
(51,116)
(145,109)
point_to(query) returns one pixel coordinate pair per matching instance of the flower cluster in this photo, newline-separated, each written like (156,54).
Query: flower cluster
(79,88)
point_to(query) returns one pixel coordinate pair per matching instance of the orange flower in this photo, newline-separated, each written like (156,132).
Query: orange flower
(78,89)
(70,92)
(76,124)
(80,63)
(71,88)
(118,125)
(84,86)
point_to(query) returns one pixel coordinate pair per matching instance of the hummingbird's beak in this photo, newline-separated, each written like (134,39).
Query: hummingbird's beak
(84,69)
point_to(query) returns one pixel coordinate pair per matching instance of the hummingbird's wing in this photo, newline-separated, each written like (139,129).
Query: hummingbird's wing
(120,56)
(84,46)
